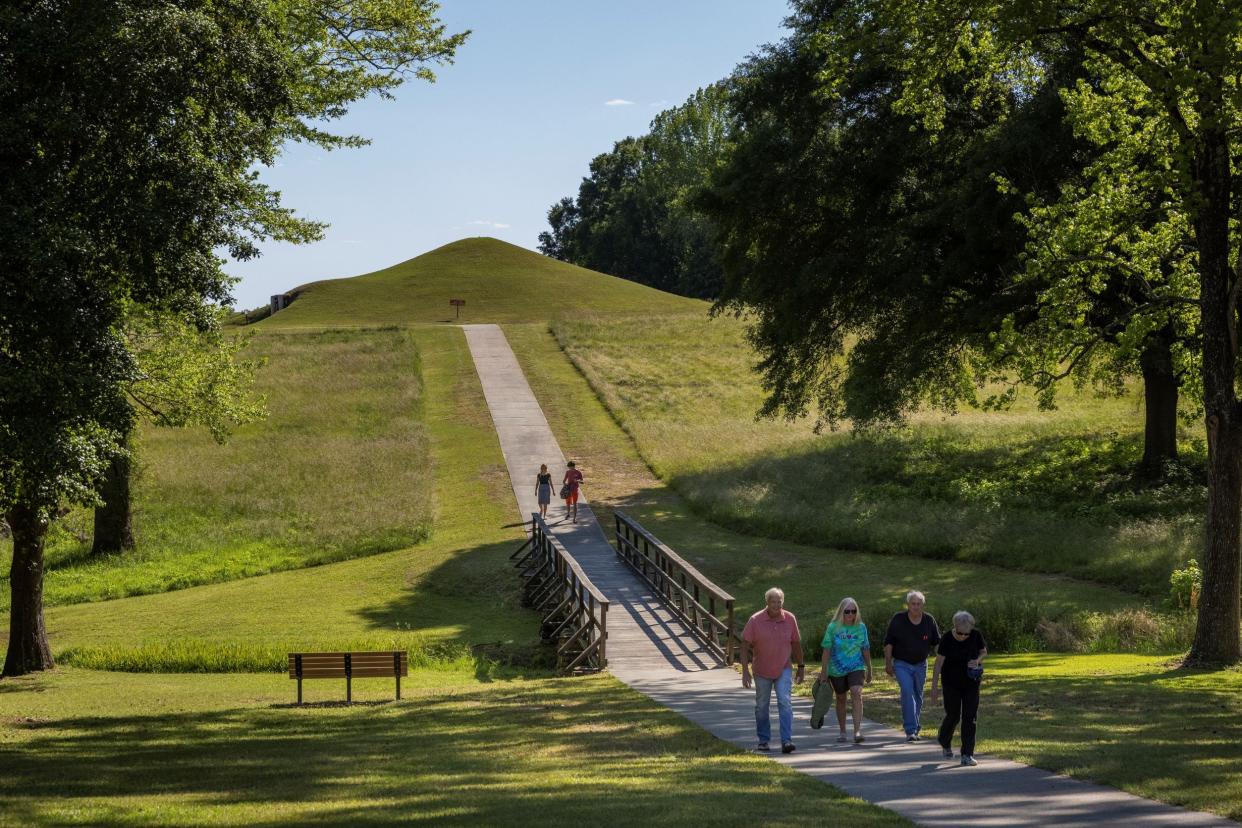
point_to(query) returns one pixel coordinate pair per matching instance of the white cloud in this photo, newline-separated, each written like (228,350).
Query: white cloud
(659,103)
(618,102)
(496,225)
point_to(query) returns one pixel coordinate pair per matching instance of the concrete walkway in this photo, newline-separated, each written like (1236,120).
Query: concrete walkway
(652,652)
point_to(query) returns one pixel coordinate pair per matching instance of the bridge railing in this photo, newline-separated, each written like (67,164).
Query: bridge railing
(704,607)
(575,612)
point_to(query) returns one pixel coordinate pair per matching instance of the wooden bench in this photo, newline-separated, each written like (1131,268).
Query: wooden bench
(349,666)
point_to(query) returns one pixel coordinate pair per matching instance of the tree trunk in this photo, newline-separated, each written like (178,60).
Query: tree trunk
(1160,401)
(28,647)
(114,531)
(1216,633)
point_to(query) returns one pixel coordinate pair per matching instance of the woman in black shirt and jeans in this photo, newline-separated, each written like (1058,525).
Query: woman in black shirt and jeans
(959,667)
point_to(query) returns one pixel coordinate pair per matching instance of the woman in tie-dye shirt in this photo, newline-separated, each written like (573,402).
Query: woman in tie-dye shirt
(847,662)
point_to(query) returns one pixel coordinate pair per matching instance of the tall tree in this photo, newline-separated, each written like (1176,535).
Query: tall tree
(633,216)
(127,150)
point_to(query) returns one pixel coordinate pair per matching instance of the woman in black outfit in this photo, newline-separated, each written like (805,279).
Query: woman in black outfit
(543,489)
(959,666)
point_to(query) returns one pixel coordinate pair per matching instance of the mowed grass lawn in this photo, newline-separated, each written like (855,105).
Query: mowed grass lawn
(1037,491)
(338,470)
(1139,723)
(88,748)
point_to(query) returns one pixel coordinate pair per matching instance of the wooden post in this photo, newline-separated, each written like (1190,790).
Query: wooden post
(349,679)
(396,670)
(297,663)
(603,636)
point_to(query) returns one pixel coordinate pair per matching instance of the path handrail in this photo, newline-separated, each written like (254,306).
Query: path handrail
(705,607)
(578,616)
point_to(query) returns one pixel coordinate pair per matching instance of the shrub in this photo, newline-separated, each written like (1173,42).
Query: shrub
(198,656)
(1184,586)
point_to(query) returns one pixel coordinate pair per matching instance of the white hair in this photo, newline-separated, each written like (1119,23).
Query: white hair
(914,593)
(777,591)
(962,617)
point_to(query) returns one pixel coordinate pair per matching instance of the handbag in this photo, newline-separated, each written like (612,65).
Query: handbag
(975,673)
(565,491)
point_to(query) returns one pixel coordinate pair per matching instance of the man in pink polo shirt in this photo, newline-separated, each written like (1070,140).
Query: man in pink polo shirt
(771,637)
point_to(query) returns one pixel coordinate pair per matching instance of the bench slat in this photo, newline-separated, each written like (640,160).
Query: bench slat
(387,653)
(362,665)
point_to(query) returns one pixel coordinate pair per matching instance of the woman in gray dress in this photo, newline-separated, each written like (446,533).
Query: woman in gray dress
(543,489)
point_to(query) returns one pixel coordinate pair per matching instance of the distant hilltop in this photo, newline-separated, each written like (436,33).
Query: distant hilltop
(496,282)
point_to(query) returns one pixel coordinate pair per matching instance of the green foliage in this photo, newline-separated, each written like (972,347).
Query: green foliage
(188,655)
(633,216)
(189,375)
(1184,585)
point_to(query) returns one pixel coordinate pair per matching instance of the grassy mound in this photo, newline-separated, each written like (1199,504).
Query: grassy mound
(1024,489)
(500,282)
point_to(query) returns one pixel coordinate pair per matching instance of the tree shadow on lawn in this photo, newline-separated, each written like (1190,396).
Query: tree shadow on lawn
(477,593)
(552,753)
(1158,733)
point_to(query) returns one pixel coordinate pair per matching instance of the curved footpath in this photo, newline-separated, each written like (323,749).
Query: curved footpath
(653,653)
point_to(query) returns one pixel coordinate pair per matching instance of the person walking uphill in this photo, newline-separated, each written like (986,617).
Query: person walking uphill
(543,489)
(847,662)
(959,669)
(910,638)
(569,490)
(772,642)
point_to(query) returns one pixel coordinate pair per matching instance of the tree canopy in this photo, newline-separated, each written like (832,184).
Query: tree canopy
(633,217)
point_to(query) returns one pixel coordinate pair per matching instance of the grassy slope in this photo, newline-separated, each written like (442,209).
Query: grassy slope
(336,471)
(1129,721)
(499,281)
(1022,489)
(444,590)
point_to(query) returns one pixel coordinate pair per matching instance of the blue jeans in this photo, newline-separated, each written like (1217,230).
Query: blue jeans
(910,678)
(784,705)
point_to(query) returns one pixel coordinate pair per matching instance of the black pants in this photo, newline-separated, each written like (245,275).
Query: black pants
(961,704)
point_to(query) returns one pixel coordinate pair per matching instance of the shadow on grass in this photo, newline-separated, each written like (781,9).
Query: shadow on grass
(1162,733)
(555,753)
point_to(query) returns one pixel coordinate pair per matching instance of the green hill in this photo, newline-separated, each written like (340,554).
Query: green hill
(500,282)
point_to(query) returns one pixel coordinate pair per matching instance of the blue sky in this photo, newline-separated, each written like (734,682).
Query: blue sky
(503,133)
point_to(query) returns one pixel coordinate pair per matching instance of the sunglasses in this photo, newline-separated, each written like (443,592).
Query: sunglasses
(850,612)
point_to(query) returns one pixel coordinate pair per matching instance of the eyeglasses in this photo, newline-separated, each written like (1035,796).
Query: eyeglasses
(850,612)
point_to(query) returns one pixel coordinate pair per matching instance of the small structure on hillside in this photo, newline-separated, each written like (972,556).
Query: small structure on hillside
(280,301)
